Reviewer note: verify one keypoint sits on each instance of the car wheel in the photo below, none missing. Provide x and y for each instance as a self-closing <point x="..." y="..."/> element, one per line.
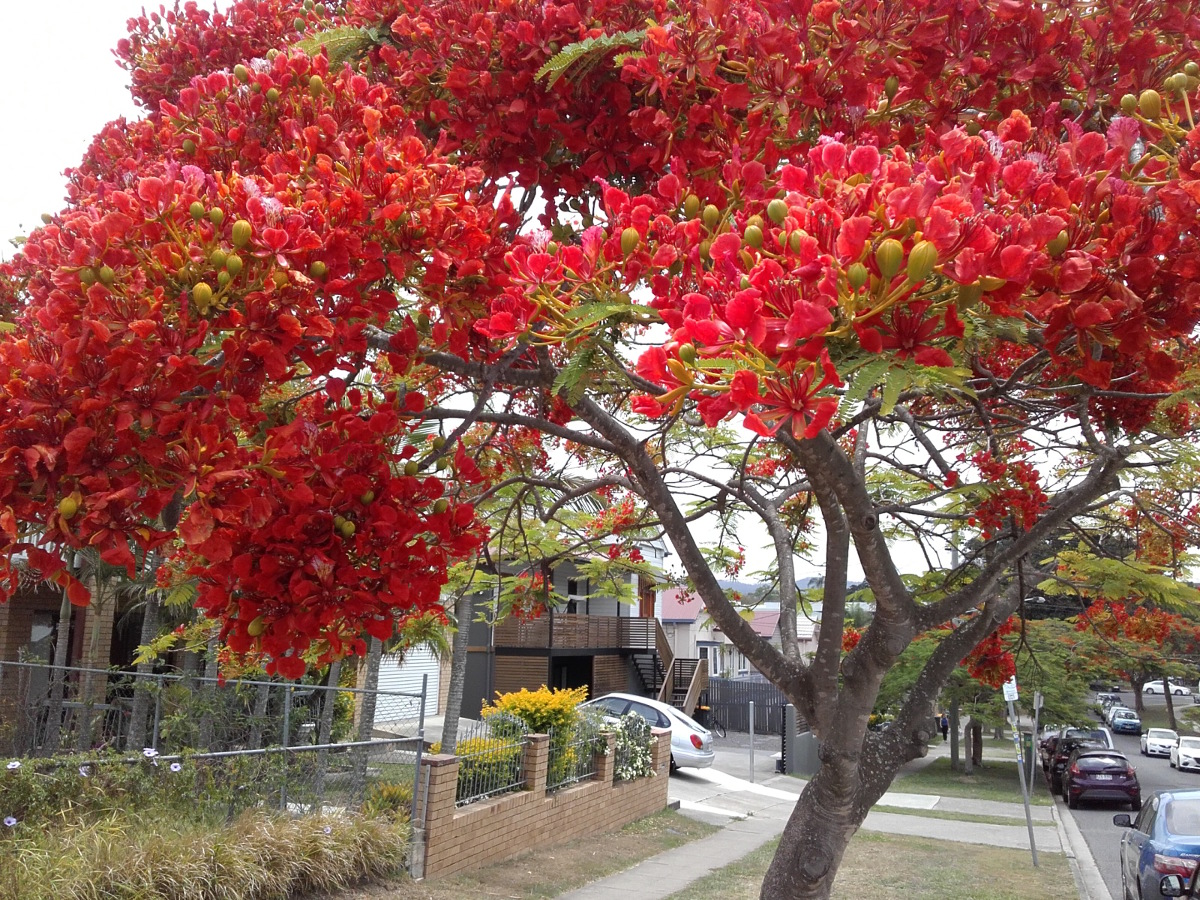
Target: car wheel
<point x="1072" y="800"/>
<point x="1172" y="764"/>
<point x="1055" y="785"/>
<point x="1178" y="693"/>
<point x="674" y="767"/>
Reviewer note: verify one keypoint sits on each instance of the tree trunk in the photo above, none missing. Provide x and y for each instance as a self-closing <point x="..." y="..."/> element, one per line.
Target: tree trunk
<point x="1138" y="705"/>
<point x="211" y="694"/>
<point x="968" y="751"/>
<point x="464" y="611"/>
<point x="58" y="675"/>
<point x="955" y="765"/>
<point x="976" y="742"/>
<point x="1170" y="703"/>
<point x="369" y="682"/>
<point x="143" y="684"/>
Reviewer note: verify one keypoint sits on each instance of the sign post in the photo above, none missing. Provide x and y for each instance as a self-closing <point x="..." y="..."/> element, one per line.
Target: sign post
<point x="1010" y="695"/>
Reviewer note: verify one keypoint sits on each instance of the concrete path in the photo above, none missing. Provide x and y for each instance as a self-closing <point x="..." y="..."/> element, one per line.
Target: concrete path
<point x="753" y="814"/>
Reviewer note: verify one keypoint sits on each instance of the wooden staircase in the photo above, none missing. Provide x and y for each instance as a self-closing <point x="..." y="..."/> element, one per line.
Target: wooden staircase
<point x="676" y="682"/>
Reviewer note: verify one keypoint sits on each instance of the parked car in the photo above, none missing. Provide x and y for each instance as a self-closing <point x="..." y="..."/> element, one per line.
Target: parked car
<point x="1101" y="685"/>
<point x="1126" y="721"/>
<point x="1062" y="752"/>
<point x="1186" y="754"/>
<point x="1164" y="839"/>
<point x="1177" y="886"/>
<point x="691" y="745"/>
<point x="1113" y="711"/>
<point x="1158" y="742"/>
<point x="1092" y="774"/>
<point x="1107" y="700"/>
<point x="1156" y="687"/>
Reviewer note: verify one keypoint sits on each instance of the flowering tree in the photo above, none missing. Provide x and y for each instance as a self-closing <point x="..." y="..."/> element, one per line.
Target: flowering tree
<point x="921" y="271"/>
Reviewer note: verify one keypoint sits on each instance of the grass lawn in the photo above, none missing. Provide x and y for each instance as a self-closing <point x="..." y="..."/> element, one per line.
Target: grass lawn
<point x="943" y="814"/>
<point x="992" y="781"/>
<point x="550" y="872"/>
<point x="892" y="867"/>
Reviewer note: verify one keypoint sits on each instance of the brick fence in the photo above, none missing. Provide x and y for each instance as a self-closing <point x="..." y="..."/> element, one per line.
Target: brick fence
<point x="492" y="830"/>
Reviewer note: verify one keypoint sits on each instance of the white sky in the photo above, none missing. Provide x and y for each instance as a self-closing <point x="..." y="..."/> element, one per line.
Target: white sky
<point x="60" y="83"/>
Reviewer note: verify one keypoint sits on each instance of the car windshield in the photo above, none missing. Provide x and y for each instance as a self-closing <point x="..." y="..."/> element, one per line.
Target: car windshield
<point x="1189" y="744"/>
<point x="1161" y="734"/>
<point x="1183" y="817"/>
<point x="1124" y="714"/>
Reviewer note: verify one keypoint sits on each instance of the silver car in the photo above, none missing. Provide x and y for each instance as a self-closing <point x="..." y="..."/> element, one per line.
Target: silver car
<point x="1158" y="742"/>
<point x="691" y="745"/>
<point x="1186" y="754"/>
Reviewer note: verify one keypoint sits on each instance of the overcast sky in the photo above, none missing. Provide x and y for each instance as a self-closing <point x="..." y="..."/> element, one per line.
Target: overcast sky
<point x="61" y="83"/>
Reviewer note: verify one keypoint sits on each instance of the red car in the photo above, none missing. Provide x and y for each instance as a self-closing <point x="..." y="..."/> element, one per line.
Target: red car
<point x="1097" y="774"/>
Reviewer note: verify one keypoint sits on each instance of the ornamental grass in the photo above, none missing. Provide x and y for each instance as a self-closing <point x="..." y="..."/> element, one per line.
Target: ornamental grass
<point x="147" y="855"/>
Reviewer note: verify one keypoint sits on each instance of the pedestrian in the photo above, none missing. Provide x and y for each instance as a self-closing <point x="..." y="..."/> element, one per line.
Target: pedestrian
<point x="944" y="724"/>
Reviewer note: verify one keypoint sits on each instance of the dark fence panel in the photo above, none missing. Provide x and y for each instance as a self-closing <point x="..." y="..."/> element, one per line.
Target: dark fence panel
<point x="730" y="702"/>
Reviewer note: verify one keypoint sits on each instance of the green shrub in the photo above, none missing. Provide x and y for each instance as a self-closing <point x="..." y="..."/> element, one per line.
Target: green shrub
<point x="389" y="800"/>
<point x="632" y="743"/>
<point x="486" y="765"/>
<point x="545" y="710"/>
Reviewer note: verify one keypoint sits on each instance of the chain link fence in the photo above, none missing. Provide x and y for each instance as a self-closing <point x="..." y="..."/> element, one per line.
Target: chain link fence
<point x="46" y="710"/>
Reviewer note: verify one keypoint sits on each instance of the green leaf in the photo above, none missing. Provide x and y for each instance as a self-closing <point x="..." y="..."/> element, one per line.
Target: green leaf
<point x="893" y="386"/>
<point x="341" y="44"/>
<point x="573" y="378"/>
<point x="860" y="383"/>
<point x="586" y="54"/>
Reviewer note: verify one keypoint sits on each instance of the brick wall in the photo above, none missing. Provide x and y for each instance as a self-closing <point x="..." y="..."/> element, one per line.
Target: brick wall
<point x="496" y="829"/>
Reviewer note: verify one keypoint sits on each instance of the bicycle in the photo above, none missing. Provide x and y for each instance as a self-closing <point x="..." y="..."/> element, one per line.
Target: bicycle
<point x="708" y="719"/>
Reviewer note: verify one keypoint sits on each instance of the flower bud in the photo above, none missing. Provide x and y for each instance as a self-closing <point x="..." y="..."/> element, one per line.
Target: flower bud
<point x="921" y="260"/>
<point x="857" y="275"/>
<point x="888" y="256"/>
<point x="241" y="233"/>
<point x="711" y="216"/>
<point x="691" y="206"/>
<point x="777" y="211"/>
<point x="630" y="240"/>
<point x="1150" y="104"/>
<point x="753" y="236"/>
<point x="1058" y="244"/>
<point x="890" y="87"/>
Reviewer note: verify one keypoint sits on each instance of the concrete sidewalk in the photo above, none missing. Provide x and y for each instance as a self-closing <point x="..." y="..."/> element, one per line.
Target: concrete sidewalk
<point x="756" y="813"/>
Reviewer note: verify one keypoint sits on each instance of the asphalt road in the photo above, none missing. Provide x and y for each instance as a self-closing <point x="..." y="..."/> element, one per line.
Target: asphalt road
<point x="1095" y="819"/>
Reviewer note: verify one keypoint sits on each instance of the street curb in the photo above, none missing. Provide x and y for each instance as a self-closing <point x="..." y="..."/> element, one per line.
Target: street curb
<point x="1088" y="879"/>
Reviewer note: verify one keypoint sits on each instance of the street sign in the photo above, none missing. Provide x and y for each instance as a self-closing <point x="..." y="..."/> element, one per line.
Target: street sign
<point x="1010" y="689"/>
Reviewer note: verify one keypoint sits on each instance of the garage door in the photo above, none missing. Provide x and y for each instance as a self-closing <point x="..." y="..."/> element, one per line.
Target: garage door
<point x="405" y="676"/>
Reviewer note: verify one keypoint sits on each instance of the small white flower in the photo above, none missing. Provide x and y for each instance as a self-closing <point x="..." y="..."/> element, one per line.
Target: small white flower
<point x="149" y="753"/>
<point x="85" y="771"/>
<point x="14" y="765"/>
<point x="10" y="821"/>
<point x="176" y="767"/>
<point x="328" y="830"/>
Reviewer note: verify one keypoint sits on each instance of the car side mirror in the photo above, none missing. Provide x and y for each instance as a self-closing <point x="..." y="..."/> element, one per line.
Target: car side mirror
<point x="1171" y="886"/>
<point x="1123" y="820"/>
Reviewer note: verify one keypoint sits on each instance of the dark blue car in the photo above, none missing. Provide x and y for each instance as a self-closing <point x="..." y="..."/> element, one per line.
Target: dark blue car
<point x="1163" y="840"/>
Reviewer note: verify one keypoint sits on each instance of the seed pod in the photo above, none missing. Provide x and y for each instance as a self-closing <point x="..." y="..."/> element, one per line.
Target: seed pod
<point x="1150" y="104"/>
<point x="1058" y="244"/>
<point x="630" y="240"/>
<point x="753" y="236"/>
<point x="317" y="269"/>
<point x="216" y="215"/>
<point x="67" y="507"/>
<point x="691" y="206"/>
<point x="890" y="87"/>
<point x="921" y="260"/>
<point x="256" y="626"/>
<point x="196" y="210"/>
<point x="1128" y="104"/>
<point x="889" y="255"/>
<point x="777" y="211"/>
<point x="241" y="73"/>
<point x="233" y="265"/>
<point x="711" y="216"/>
<point x="687" y="353"/>
<point x="857" y="275"/>
<point x="241" y="233"/>
<point x="202" y="295"/>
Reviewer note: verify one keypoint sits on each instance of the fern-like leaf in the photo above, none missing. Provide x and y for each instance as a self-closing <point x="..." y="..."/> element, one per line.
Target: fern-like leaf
<point x="341" y="44"/>
<point x="586" y="54"/>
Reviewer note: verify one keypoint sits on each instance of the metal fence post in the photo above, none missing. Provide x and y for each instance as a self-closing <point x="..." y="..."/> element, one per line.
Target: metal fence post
<point x="412" y="817"/>
<point x="287" y="727"/>
<point x="158" y="695"/>
<point x="752" y="742"/>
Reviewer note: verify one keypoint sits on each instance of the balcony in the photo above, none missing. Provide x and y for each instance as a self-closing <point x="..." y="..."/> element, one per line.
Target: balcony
<point x="570" y="631"/>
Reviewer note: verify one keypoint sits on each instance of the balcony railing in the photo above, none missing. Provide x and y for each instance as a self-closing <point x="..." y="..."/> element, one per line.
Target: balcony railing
<point x="568" y="631"/>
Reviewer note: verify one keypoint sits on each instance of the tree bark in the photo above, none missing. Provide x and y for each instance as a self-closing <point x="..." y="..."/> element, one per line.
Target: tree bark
<point x="976" y="742"/>
<point x="143" y="685"/>
<point x="1170" y="702"/>
<point x="955" y="763"/>
<point x="464" y="612"/>
<point x="58" y="675"/>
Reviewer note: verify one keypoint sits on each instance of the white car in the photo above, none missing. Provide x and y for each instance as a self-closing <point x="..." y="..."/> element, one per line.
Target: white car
<point x="1156" y="687"/>
<point x="1158" y="742"/>
<point x="1186" y="754"/>
<point x="691" y="745"/>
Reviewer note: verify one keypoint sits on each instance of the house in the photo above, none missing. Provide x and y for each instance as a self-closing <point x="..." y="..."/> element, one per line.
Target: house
<point x="592" y="639"/>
